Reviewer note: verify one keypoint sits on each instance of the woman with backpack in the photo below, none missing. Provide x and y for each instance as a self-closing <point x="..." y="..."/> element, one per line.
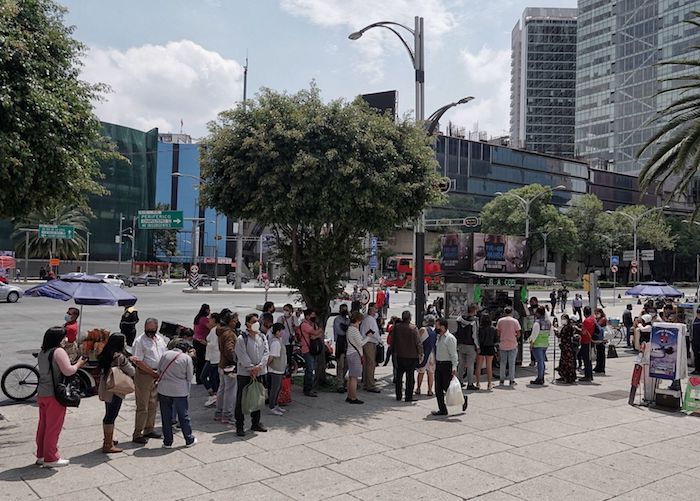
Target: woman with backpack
<point x="53" y="363"/>
<point x="112" y="356"/>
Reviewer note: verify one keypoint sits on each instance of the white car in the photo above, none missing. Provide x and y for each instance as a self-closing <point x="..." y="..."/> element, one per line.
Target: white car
<point x="111" y="279"/>
<point x="10" y="293"/>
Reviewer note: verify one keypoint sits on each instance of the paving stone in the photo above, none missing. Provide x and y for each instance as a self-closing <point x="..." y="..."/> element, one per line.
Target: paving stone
<point x="254" y="491"/>
<point x="547" y="488"/>
<point x="312" y="485"/>
<point x="591" y="443"/>
<point x="426" y="456"/>
<point x="440" y="429"/>
<point x="682" y="486"/>
<point x="404" y="488"/>
<point x="552" y="454"/>
<point x="73" y="478"/>
<point x="159" y="461"/>
<point x="163" y="486"/>
<point x="549" y="428"/>
<point x="15" y="490"/>
<point x="606" y="480"/>
<point x="375" y="469"/>
<point x="223" y="446"/>
<point x="84" y="495"/>
<point x="344" y="448"/>
<point x="510" y="466"/>
<point x="473" y="445"/>
<point x="514" y="436"/>
<point x="462" y="480"/>
<point x="291" y="459"/>
<point x="229" y="473"/>
<point x="496" y="496"/>
<point x="397" y="437"/>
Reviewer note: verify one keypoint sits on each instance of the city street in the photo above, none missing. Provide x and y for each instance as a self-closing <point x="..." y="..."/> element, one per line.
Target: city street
<point x="553" y="442"/>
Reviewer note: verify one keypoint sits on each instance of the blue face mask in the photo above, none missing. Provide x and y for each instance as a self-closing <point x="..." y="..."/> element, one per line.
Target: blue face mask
<point x="67" y="318"/>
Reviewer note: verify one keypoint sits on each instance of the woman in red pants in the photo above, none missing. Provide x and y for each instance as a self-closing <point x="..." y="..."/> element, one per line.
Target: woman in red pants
<point x="51" y="413"/>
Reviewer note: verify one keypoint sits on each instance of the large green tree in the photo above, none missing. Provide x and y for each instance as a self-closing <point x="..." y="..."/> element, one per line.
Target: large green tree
<point x="584" y="213"/>
<point x="505" y="215"/>
<point x="165" y="241"/>
<point x="675" y="148"/>
<point x="322" y="176"/>
<point x="49" y="137"/>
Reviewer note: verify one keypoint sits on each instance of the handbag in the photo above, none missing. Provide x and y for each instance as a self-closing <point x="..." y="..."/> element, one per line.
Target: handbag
<point x="67" y="389"/>
<point x="380" y="354"/>
<point x="316" y="346"/>
<point x="119" y="383"/>
<point x="612" y="352"/>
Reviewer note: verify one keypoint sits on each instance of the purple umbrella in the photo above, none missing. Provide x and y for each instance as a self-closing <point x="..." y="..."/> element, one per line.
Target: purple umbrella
<point x="83" y="289"/>
<point x="654" y="289"/>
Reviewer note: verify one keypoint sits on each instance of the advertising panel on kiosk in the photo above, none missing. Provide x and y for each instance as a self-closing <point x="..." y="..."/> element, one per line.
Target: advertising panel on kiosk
<point x="499" y="253"/>
<point x="456" y="252"/>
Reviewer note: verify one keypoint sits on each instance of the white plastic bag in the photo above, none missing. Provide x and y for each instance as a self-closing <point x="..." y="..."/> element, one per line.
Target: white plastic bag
<point x="454" y="396"/>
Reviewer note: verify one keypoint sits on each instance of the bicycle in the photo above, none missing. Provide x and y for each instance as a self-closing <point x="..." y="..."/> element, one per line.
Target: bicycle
<point x="21" y="381"/>
<point x="616" y="335"/>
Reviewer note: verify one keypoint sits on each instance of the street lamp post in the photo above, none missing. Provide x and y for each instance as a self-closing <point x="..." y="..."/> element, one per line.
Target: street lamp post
<point x="635" y="223"/>
<point x="527" y="203"/>
<point x="434" y="119"/>
<point x="417" y="55"/>
<point x="545" y="235"/>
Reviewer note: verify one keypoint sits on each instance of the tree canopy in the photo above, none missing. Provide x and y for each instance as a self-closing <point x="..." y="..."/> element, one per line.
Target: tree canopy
<point x="322" y="176"/>
<point x="49" y="137"/>
<point x="44" y="248"/>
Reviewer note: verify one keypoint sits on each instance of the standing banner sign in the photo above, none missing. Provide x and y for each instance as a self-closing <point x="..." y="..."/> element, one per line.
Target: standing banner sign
<point x="667" y="357"/>
<point x="691" y="401"/>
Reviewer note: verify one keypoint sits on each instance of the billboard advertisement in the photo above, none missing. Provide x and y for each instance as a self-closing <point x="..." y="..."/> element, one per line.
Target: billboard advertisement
<point x="456" y="252"/>
<point x="499" y="253"/>
<point x="663" y="355"/>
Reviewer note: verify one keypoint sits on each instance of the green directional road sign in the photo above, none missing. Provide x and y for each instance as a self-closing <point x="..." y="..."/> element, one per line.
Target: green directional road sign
<point x="56" y="231"/>
<point x="160" y="219"/>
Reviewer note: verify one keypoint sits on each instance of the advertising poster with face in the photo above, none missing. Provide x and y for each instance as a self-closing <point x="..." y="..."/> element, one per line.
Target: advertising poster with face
<point x="499" y="253"/>
<point x="456" y="252"/>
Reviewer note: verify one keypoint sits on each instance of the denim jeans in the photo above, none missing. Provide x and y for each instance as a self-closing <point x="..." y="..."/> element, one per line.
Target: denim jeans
<point x="309" y="370"/>
<point x="226" y="396"/>
<point x="508" y="356"/>
<point x="539" y="354"/>
<point x="181" y="407"/>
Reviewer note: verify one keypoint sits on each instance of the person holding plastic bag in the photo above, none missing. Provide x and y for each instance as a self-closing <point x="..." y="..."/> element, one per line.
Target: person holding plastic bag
<point x="252" y="353"/>
<point x="446" y="365"/>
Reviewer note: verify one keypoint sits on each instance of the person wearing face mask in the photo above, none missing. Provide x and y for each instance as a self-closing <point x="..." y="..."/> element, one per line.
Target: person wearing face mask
<point x="288" y="330"/>
<point x="147" y="351"/>
<point x="370" y="332"/>
<point x="227" y="334"/>
<point x="70" y="345"/>
<point x="341" y="323"/>
<point x="252" y="353"/>
<point x="445" y="365"/>
<point x="539" y="341"/>
<point x="309" y="330"/>
<point x="567" y="343"/>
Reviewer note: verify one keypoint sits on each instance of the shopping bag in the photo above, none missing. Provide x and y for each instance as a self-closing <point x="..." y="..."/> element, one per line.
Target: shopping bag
<point x="612" y="352"/>
<point x="253" y="397"/>
<point x="285" y="396"/>
<point x="691" y="402"/>
<point x="454" y="396"/>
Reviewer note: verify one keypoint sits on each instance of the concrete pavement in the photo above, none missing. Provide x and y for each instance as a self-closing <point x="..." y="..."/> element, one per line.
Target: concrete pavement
<point x="549" y="443"/>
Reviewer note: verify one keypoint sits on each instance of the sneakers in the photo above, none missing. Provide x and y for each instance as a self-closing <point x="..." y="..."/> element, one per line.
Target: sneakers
<point x="211" y="401"/>
<point x="56" y="464"/>
<point x="471" y="387"/>
<point x="193" y="443"/>
<point x="39" y="462"/>
<point x="489" y="386"/>
<point x="259" y="428"/>
<point x="355" y="401"/>
<point x="537" y="382"/>
<point x="281" y="409"/>
<point x="167" y="446"/>
<point x="276" y="412"/>
<point x="513" y="383"/>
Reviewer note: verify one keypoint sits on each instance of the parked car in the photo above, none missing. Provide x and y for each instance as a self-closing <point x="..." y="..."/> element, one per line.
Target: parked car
<point x="111" y="279"/>
<point x="146" y="279"/>
<point x="231" y="278"/>
<point x="127" y="280"/>
<point x="204" y="279"/>
<point x="10" y="293"/>
<point x="3" y="279"/>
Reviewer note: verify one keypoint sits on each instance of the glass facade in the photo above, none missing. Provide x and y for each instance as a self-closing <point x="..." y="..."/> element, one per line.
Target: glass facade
<point x="182" y="193"/>
<point x="618" y="78"/>
<point x="543" y="81"/>
<point x="479" y="170"/>
<point x="132" y="187"/>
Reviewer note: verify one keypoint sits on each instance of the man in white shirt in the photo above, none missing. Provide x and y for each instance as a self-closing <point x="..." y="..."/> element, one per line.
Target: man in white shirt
<point x="370" y="332"/>
<point x="147" y="351"/>
<point x="288" y="331"/>
<point x="445" y="365"/>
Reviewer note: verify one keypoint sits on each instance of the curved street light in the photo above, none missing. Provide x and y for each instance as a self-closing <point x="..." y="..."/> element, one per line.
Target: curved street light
<point x="527" y="203"/>
<point x="434" y="119"/>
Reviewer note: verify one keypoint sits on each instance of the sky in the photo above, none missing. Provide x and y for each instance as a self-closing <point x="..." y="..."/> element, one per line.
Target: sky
<point x="167" y="61"/>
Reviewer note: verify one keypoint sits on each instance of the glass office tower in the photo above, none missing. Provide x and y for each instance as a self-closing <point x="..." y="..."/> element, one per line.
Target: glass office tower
<point x="618" y="78"/>
<point x="543" y="81"/>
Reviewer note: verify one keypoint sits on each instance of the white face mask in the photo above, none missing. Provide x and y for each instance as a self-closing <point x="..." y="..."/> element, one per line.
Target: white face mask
<point x="564" y="322"/>
<point x="255" y="327"/>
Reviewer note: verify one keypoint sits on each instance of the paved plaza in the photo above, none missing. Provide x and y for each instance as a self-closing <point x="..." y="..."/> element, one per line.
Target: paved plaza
<point x="542" y="443"/>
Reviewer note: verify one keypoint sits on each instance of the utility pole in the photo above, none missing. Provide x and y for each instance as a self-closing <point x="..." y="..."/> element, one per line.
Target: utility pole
<point x="239" y="235"/>
<point x="121" y="231"/>
<point x="133" y="243"/>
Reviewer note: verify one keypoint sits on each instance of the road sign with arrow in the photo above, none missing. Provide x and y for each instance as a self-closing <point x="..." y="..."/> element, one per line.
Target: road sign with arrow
<point x="160" y="219"/>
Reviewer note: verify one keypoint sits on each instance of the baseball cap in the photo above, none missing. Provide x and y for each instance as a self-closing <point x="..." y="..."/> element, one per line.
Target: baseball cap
<point x="647" y="318"/>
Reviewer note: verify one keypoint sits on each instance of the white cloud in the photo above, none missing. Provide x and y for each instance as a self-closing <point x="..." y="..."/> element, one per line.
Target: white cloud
<point x="487" y="77"/>
<point x="157" y="85"/>
<point x="355" y="14"/>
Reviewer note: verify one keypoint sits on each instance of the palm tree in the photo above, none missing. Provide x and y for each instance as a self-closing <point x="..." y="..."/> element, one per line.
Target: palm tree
<point x="676" y="146"/>
<point x="57" y="248"/>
